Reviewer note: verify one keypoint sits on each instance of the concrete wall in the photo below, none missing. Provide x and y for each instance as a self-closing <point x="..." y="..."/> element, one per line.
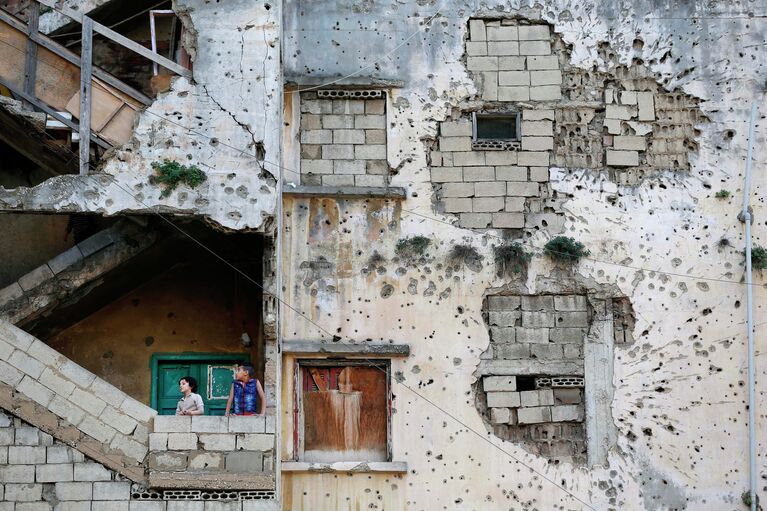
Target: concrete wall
<point x="191" y="308"/>
<point x="653" y="229"/>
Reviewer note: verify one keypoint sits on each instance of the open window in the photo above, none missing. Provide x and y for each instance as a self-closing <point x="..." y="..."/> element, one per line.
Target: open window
<point x="495" y="130"/>
<point x="342" y="411"/>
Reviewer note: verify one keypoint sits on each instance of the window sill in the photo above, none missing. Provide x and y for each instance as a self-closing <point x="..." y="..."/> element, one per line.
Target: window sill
<point x="356" y="467"/>
<point x="347" y="192"/>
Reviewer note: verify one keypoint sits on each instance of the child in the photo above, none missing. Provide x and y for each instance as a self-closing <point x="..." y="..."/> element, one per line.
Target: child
<point x="191" y="403"/>
<point x="246" y="393"/>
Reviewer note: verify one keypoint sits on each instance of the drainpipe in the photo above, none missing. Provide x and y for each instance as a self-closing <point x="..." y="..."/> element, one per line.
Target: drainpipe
<point x="745" y="217"/>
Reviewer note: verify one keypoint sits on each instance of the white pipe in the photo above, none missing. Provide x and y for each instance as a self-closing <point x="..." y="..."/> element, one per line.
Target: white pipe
<point x="746" y="217"/>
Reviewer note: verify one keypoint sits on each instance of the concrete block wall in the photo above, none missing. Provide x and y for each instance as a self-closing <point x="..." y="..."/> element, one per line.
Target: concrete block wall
<point x="40" y="473"/>
<point x="343" y="140"/>
<point x="117" y="423"/>
<point x="209" y="447"/>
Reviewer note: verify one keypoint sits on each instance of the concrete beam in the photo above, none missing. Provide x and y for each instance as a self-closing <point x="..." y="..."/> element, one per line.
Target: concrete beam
<point x="345" y="349"/>
<point x="220" y="481"/>
<point x="346" y="466"/>
<point x="345" y="192"/>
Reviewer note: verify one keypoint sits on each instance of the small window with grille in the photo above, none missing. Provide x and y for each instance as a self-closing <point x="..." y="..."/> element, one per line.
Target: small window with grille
<point x="495" y="130"/>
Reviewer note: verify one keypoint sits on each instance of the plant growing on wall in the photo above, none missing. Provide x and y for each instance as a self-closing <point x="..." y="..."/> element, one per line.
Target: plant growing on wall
<point x="467" y="255"/>
<point x="170" y="174"/>
<point x="565" y="249"/>
<point x="511" y="258"/>
<point x="758" y="258"/>
<point x="412" y="247"/>
<point x="722" y="194"/>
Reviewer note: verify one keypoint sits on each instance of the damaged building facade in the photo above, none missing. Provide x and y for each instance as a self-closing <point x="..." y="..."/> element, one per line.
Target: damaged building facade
<point x="480" y="255"/>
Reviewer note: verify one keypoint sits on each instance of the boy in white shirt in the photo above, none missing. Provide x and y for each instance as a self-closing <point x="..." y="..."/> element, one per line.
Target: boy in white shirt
<point x="191" y="403"/>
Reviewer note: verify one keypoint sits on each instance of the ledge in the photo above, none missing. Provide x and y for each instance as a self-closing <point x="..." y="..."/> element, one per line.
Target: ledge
<point x="347" y="192"/>
<point x="355" y="467"/>
<point x="219" y="481"/>
<point x="328" y="348"/>
<point x="352" y="82"/>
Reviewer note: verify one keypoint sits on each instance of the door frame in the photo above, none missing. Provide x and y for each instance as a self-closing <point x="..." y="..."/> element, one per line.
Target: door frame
<point x="154" y="365"/>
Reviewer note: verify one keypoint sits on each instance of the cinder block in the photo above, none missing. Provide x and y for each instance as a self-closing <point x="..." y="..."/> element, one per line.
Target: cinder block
<point x="489" y="188"/>
<point x="545" y="396"/>
<point x="370" y="152"/>
<point x="543" y="128"/>
<point x="377" y="167"/>
<point x="502" y="158"/>
<point x="97" y="429"/>
<point x="316" y="167"/>
<point x="87" y="401"/>
<point x="548" y="77"/>
<point x="534" y="415"/>
<point x="9" y="374"/>
<point x="6" y="437"/>
<point x="54" y="473"/>
<point x="247" y="424"/>
<point x="338" y="152"/>
<point x="613" y="126"/>
<point x="533" y="159"/>
<point x="171" y="461"/>
<point x="209" y="424"/>
<point x="522" y="189"/>
<point x="508" y="303"/>
<point x="11" y="292"/>
<point x="502" y="48"/>
<point x="630" y="143"/>
<point x="182" y="441"/>
<point x="158" y="441"/>
<point x="504" y="317"/>
<point x="26" y="364"/>
<point x="487" y="204"/>
<point x="537" y="115"/>
<point x="98" y="241"/>
<point x="620" y="112"/>
<point x="5" y="350"/>
<point x="537" y="319"/>
<point x="457" y="205"/>
<point x="255" y="442"/>
<point x="62" y="454"/>
<point x="172" y="424"/>
<point x="477" y="30"/>
<point x="64" y="260"/>
<point x="27" y="435"/>
<point x="499" y="383"/>
<point x="455" y="129"/>
<point x="545" y="93"/>
<point x="316" y="137"/>
<point x="455" y="144"/>
<point x="478" y="174"/>
<point x="17" y="474"/>
<point x="475" y="220"/>
<point x="311" y="122"/>
<point x="572" y="319"/>
<point x="89" y="471"/>
<point x="511" y="173"/>
<point x="534" y="48"/>
<point x="106" y="505"/>
<point x="208" y="461"/>
<point x="338" y="180"/>
<point x="567" y="413"/>
<point x="446" y="174"/>
<point x="508" y="33"/>
<point x="511" y="63"/>
<point x="113" y="490"/>
<point x="118" y="420"/>
<point x="622" y="158"/>
<point x="335" y="122"/>
<point x="543" y="63"/>
<point x="532" y="335"/>
<point x="457" y="190"/>
<point x="74" y="491"/>
<point x="646" y="103"/>
<point x="573" y="351"/>
<point x="537" y="143"/>
<point x="513" y="93"/>
<point x="79" y="375"/>
<point x="36" y="277"/>
<point x="34" y="391"/>
<point x="247" y="462"/>
<point x="547" y="351"/>
<point x="66" y="410"/>
<point x="368" y="180"/>
<point x="469" y="159"/>
<point x="347" y="137"/>
<point x="26" y="455"/>
<point x="107" y="392"/>
<point x="56" y="383"/>
<point x="534" y="33"/>
<point x="567" y="335"/>
<point x="628" y="97"/>
<point x="373" y="106"/>
<point x="529" y="398"/>
<point x="349" y="166"/>
<point x="539" y="174"/>
<point x="512" y="351"/>
<point x="370" y="122"/>
<point x="503" y="399"/>
<point x="500" y="415"/>
<point x="570" y="303"/>
<point x="23" y="492"/>
<point x="537" y="302"/>
<point x="567" y="396"/>
<point x="506" y="220"/>
<point x="375" y="136"/>
<point x="514" y="78"/>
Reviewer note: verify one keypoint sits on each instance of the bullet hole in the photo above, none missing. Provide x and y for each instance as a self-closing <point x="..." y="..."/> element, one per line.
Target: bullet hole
<point x="706" y="311"/>
<point x="647" y="431"/>
<point x="149" y="341"/>
<point x="387" y="290"/>
<point x="108" y="354"/>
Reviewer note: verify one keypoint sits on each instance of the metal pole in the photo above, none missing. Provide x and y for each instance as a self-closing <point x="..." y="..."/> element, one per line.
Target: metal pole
<point x="86" y="58"/>
<point x="746" y="218"/>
